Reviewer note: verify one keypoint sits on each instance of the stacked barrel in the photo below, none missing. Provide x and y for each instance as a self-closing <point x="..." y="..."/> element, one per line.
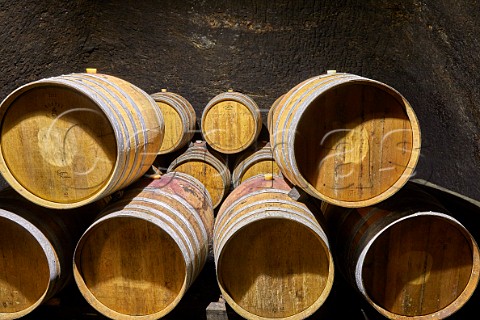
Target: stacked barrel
<point x="271" y="252"/>
<point x="407" y="256"/>
<point x="326" y="190"/>
<point x="144" y="251"/>
<point x="70" y="140"/>
<point x="353" y="143"/>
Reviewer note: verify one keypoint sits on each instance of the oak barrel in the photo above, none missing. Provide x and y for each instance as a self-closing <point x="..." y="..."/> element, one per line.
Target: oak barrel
<point x="271" y="111"/>
<point x="231" y="122"/>
<point x="206" y="166"/>
<point x="345" y="139"/>
<point x="180" y="120"/>
<point x="251" y="164"/>
<point x="139" y="257"/>
<point x="36" y="251"/>
<point x="408" y="256"/>
<point x="272" y="255"/>
<point x="70" y="140"/>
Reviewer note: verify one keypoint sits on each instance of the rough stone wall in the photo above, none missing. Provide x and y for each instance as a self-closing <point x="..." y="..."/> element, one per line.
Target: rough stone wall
<point x="427" y="50"/>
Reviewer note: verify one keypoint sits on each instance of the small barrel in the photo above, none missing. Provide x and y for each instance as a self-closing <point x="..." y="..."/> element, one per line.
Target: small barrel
<point x="231" y="122"/>
<point x="407" y="256"/>
<point x="251" y="164"/>
<point x="345" y="139"/>
<point x="271" y="111"/>
<point x="70" y="140"/>
<point x="139" y="257"/>
<point x="272" y="256"/>
<point x="180" y="120"/>
<point x="207" y="167"/>
<point x="36" y="251"/>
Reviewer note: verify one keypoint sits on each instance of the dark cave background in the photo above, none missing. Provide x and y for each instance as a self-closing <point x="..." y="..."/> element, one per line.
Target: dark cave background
<point x="427" y="50"/>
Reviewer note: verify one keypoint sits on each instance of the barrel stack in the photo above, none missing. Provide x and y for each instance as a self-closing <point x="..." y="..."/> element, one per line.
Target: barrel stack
<point x="329" y="190"/>
<point x="353" y="143"/>
<point x="68" y="143"/>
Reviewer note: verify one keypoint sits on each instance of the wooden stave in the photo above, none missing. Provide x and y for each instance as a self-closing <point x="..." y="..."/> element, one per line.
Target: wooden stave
<point x="287" y="114"/>
<point x="164" y="197"/>
<point x="277" y="143"/>
<point x="186" y="113"/>
<point x="134" y="167"/>
<point x="271" y="111"/>
<point x="275" y="192"/>
<point x="108" y="87"/>
<point x="247" y="102"/>
<point x="353" y="234"/>
<point x="148" y="152"/>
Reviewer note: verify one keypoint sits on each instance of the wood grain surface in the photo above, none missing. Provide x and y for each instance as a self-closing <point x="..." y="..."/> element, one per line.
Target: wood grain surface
<point x="207" y="167"/>
<point x="70" y="140"/>
<point x="408" y="256"/>
<point x="345" y="139"/>
<point x="251" y="164"/>
<point x="24" y="270"/>
<point x="180" y="120"/>
<point x="145" y="250"/>
<point x="271" y="111"/>
<point x="272" y="256"/>
<point x="231" y="122"/>
<point x="36" y="250"/>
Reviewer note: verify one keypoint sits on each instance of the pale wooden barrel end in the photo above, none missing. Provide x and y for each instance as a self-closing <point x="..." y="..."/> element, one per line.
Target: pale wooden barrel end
<point x="206" y="167"/>
<point x="260" y="162"/>
<point x="407" y="256"/>
<point x="24" y="270"/>
<point x="128" y="266"/>
<point x="144" y="251"/>
<point x="345" y="139"/>
<point x="180" y="120"/>
<point x="231" y="122"/>
<point x="83" y="136"/>
<point x="286" y="271"/>
<point x="429" y="255"/>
